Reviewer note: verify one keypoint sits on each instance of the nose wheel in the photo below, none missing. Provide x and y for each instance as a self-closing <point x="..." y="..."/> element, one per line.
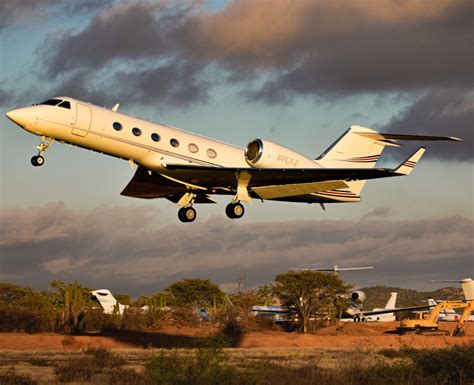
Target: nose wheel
<point x="235" y="210"/>
<point x="37" y="160"/>
<point x="186" y="214"/>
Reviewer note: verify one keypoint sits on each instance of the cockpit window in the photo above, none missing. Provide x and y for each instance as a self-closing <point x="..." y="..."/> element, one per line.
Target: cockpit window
<point x="52" y="102"/>
<point x="65" y="104"/>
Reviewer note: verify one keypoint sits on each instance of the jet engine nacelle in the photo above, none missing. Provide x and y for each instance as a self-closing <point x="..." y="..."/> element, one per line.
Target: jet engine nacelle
<point x="264" y="154"/>
<point x="358" y="296"/>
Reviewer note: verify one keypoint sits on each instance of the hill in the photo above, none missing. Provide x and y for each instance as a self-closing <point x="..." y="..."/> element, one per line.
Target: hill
<point x="378" y="296"/>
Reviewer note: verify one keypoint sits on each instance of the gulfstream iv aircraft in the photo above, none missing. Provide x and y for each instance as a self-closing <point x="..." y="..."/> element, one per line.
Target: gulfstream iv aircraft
<point x="187" y="168"/>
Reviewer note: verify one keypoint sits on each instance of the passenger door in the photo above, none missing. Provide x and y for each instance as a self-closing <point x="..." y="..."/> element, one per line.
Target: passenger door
<point x="83" y="120"/>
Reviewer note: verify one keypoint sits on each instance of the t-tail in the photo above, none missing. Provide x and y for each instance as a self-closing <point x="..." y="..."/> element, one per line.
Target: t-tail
<point x="361" y="147"/>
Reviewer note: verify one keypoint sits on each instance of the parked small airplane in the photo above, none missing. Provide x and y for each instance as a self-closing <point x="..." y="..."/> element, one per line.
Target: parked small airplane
<point x="356" y="313"/>
<point x="108" y="302"/>
<point x="467" y="285"/>
<point x="186" y="168"/>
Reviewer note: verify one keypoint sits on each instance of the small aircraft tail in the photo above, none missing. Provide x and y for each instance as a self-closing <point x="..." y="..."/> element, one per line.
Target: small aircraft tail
<point x="353" y="150"/>
<point x="392" y="301"/>
<point x="361" y="147"/>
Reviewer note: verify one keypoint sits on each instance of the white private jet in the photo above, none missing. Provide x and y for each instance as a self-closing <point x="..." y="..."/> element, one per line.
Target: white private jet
<point x="187" y="168"/>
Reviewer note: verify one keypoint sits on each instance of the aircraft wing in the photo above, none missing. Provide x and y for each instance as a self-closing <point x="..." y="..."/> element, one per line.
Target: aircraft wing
<point x="397" y="310"/>
<point x="270" y="183"/>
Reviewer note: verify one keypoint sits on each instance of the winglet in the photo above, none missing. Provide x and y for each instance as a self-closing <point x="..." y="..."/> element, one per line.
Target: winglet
<point x="407" y="166"/>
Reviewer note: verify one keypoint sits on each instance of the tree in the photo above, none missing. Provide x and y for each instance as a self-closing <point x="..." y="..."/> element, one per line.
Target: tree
<point x="310" y="294"/>
<point x="195" y="292"/>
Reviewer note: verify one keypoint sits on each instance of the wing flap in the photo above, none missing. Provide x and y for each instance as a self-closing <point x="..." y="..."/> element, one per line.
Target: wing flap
<point x="288" y="190"/>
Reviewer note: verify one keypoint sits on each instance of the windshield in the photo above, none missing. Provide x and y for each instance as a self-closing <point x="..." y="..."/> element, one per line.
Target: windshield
<point x="57" y="102"/>
<point x="52" y="102"/>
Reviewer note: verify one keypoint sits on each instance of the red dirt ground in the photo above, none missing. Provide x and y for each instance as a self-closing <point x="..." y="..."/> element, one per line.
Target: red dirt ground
<point x="349" y="336"/>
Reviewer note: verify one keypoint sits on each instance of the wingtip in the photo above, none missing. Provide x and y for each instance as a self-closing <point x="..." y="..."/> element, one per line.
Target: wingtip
<point x="454" y="139"/>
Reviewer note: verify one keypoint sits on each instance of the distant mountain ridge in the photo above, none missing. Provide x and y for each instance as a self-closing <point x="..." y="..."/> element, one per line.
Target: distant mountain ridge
<point x="377" y="296"/>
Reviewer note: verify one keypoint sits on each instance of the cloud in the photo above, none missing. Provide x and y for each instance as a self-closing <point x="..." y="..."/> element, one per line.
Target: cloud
<point x="304" y="48"/>
<point x="379" y="212"/>
<point x="15" y="12"/>
<point x="444" y="112"/>
<point x="127" y="249"/>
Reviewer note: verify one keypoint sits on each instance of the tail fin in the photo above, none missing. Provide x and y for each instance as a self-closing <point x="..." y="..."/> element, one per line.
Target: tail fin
<point x="353" y="150"/>
<point x="392" y="301"/>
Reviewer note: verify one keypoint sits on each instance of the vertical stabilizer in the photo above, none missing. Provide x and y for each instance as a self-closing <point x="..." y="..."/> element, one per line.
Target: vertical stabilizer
<point x="467" y="285"/>
<point x="352" y="150"/>
<point x="392" y="301"/>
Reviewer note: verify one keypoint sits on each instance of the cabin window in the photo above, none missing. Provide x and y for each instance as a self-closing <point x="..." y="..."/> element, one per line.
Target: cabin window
<point x="136" y="131"/>
<point x="155" y="137"/>
<point x="117" y="126"/>
<point x="65" y="104"/>
<point x="174" y="142"/>
<point x="211" y="153"/>
<point x="193" y="148"/>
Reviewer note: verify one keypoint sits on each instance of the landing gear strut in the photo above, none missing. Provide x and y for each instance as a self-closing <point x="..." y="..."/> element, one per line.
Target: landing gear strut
<point x="38" y="160"/>
<point x="187" y="214"/>
<point x="235" y="210"/>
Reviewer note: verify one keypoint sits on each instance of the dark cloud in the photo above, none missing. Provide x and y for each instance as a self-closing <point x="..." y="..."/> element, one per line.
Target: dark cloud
<point x="14" y="12"/>
<point x="444" y="112"/>
<point x="127" y="249"/>
<point x="177" y="84"/>
<point x="127" y="31"/>
<point x="312" y="48"/>
<point x="17" y="11"/>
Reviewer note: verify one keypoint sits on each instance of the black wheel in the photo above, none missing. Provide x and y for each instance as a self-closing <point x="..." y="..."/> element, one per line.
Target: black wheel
<point x="186" y="214"/>
<point x="234" y="210"/>
<point x="34" y="161"/>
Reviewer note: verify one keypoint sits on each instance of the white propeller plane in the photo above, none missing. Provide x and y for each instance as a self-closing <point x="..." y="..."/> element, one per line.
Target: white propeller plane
<point x="187" y="168"/>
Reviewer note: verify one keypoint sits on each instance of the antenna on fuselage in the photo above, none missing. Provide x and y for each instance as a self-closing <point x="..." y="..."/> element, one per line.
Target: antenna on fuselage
<point x="115" y="108"/>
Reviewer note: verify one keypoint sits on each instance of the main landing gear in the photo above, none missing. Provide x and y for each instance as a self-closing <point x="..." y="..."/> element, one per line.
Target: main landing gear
<point x="235" y="210"/>
<point x="187" y="214"/>
<point x="38" y="160"/>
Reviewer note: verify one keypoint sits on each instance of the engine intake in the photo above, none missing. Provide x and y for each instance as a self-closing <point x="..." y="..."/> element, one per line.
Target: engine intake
<point x="358" y="296"/>
<point x="265" y="154"/>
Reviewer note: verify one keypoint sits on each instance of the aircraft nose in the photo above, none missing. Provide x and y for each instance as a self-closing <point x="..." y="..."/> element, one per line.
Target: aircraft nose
<point x="20" y="116"/>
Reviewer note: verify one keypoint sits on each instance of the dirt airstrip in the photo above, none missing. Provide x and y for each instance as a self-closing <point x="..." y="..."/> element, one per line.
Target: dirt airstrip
<point x="348" y="336"/>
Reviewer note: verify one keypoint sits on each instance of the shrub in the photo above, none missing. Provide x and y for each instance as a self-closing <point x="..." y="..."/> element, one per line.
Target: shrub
<point x="453" y="365"/>
<point x="206" y="366"/>
<point x="88" y="365"/>
<point x="11" y="377"/>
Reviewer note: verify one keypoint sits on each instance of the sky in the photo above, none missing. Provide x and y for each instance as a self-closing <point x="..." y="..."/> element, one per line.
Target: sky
<point x="294" y="72"/>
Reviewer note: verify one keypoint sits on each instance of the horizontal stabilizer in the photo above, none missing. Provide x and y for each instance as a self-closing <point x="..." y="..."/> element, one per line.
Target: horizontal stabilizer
<point x="407" y="166"/>
<point x="396" y="137"/>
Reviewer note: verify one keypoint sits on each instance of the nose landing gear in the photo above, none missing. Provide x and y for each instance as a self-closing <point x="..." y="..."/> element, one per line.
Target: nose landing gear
<point x="38" y="160"/>
<point x="235" y="210"/>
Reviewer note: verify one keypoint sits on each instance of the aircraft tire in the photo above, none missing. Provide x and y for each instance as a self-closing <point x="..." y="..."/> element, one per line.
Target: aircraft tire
<point x="37" y="160"/>
<point x="186" y="214"/>
<point x="235" y="210"/>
